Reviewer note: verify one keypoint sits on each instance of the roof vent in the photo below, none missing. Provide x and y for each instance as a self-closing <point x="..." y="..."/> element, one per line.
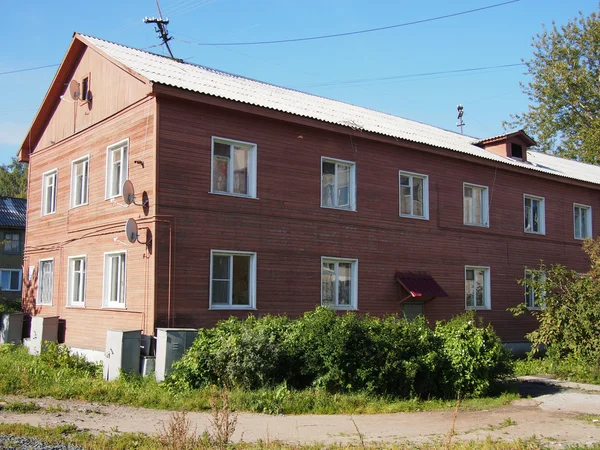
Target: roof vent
<point x="511" y="145"/>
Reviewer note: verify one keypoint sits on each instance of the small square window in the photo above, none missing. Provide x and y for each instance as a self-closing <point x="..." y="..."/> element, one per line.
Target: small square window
<point x="339" y="283"/>
<point x="338" y="184"/>
<point x="475" y="205"/>
<point x="233" y="280"/>
<point x="533" y="299"/>
<point x="10" y="279"/>
<point x="116" y="168"/>
<point x="414" y="195"/>
<point x="79" y="182"/>
<point x="233" y="167"/>
<point x="45" y="281"/>
<point x="76" y="281"/>
<point x="534" y="214"/>
<point x="516" y="151"/>
<point x="85" y="87"/>
<point x="477" y="288"/>
<point x="582" y="218"/>
<point x="114" y="280"/>
<point x="11" y="244"/>
<point x="49" y="192"/>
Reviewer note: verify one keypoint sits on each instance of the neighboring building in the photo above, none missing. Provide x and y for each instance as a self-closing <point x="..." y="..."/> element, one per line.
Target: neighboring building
<point x="252" y="198"/>
<point x="12" y="234"/>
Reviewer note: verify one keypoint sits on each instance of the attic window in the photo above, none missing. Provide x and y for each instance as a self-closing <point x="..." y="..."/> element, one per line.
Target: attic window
<point x="516" y="151"/>
<point x="85" y="86"/>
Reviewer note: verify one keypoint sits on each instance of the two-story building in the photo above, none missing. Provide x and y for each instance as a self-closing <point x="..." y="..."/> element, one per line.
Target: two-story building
<point x="12" y="234"/>
<point x="253" y="198"/>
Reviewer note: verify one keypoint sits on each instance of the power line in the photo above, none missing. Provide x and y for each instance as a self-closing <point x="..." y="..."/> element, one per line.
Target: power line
<point x="414" y="75"/>
<point x="349" y="33"/>
<point x="30" y="68"/>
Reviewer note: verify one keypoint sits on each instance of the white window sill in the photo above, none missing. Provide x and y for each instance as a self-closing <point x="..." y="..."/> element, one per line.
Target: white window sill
<point x="78" y="206"/>
<point x="539" y="233"/>
<point x="477" y="225"/>
<point x="582" y="238"/>
<point x="113" y="197"/>
<point x="406" y="216"/>
<point x="48" y="214"/>
<point x="534" y="308"/>
<point x="230" y="194"/>
<point x="479" y="308"/>
<point x="339" y="208"/>
<point x="114" y="307"/>
<point x="341" y="308"/>
<point x="232" y="308"/>
<point x="43" y="304"/>
<point x="75" y="306"/>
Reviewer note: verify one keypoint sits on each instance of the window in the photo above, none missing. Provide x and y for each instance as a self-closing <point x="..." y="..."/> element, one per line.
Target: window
<point x="233" y="280"/>
<point x="116" y="168"/>
<point x="582" y="216"/>
<point x="477" y="287"/>
<point x="533" y="300"/>
<point x="114" y="280"/>
<point x="10" y="279"/>
<point x="338" y="186"/>
<point x="49" y="192"/>
<point x="414" y="195"/>
<point x="76" y="281"/>
<point x="516" y="150"/>
<point x="45" y="281"/>
<point x="475" y="205"/>
<point x="11" y="244"/>
<point x="534" y="215"/>
<point x="79" y="182"/>
<point x="339" y="283"/>
<point x="233" y="167"/>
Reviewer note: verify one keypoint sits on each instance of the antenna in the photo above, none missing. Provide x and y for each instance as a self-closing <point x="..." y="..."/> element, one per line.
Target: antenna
<point x="460" y="124"/>
<point x="129" y="194"/>
<point x="131" y="230"/>
<point x="161" y="28"/>
<point x="74" y="89"/>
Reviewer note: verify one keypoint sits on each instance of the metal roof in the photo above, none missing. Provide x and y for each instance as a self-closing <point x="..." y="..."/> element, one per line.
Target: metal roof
<point x="13" y="212"/>
<point x="166" y="71"/>
<point x="420" y="285"/>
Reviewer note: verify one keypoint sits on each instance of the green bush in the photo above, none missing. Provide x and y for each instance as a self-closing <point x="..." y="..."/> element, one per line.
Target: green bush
<point x="346" y="353"/>
<point x="8" y="306"/>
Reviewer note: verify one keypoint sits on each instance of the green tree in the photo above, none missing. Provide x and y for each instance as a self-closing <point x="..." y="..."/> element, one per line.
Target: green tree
<point x="13" y="179"/>
<point x="564" y="90"/>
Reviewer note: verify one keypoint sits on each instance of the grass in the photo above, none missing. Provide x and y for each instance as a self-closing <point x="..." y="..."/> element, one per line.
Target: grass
<point x="124" y="441"/>
<point x="35" y="377"/>
<point x="21" y="407"/>
<point x="565" y="369"/>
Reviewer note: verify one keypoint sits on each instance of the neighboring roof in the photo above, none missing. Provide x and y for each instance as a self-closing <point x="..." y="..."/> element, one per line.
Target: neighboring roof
<point x="169" y="72"/>
<point x="420" y="285"/>
<point x="13" y="212"/>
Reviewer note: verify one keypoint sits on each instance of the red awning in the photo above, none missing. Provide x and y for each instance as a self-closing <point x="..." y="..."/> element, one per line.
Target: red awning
<point x="420" y="285"/>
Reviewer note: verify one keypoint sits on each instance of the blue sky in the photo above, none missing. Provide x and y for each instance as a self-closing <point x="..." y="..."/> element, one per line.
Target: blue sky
<point x="38" y="33"/>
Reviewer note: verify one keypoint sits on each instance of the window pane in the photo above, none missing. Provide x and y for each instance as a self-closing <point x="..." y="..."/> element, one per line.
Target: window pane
<point x="345" y="283"/>
<point x="477" y="206"/>
<point x="220" y="292"/>
<point x="528" y="214"/>
<point x="114" y="278"/>
<point x="343" y="180"/>
<point x="479" y="288"/>
<point x="220" y="267"/>
<point x="469" y="289"/>
<point x="240" y="170"/>
<point x="328" y="283"/>
<point x="468" y="206"/>
<point x="535" y="204"/>
<point x="405" y="200"/>
<point x="577" y="223"/>
<point x="116" y="173"/>
<point x="221" y="149"/>
<point x="328" y="183"/>
<point x="241" y="280"/>
<point x="5" y="280"/>
<point x="14" y="280"/>
<point x="75" y="287"/>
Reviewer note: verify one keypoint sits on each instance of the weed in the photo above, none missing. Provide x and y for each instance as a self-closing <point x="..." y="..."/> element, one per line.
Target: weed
<point x="452" y="432"/>
<point x="22" y="407"/>
<point x="177" y="433"/>
<point x="223" y="420"/>
<point x="56" y="409"/>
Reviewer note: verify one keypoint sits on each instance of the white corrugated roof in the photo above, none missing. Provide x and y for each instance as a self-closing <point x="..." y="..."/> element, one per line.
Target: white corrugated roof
<point x="163" y="70"/>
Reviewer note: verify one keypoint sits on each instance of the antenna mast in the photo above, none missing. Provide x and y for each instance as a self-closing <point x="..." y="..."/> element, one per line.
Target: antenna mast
<point x="460" y="124"/>
<point x="161" y="28"/>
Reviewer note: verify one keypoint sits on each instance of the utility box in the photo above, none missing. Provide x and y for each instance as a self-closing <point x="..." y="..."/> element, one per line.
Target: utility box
<point x="147" y="366"/>
<point x="42" y="329"/>
<point x="122" y="353"/>
<point x="171" y="344"/>
<point x="11" y="328"/>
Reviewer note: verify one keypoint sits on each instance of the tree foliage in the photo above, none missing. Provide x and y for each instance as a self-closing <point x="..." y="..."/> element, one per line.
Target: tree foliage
<point x="13" y="179"/>
<point x="564" y="90"/>
<point x="570" y="316"/>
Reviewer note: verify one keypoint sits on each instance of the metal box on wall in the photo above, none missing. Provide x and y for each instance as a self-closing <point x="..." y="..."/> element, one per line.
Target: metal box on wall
<point x="42" y="329"/>
<point x="11" y="328"/>
<point x="122" y="353"/>
<point x="171" y="344"/>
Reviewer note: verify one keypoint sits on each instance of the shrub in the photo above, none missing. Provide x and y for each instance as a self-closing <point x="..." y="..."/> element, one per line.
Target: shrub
<point x="8" y="306"/>
<point x="346" y="353"/>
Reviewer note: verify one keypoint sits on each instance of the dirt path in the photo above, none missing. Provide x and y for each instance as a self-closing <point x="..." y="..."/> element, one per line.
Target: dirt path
<point x="557" y="414"/>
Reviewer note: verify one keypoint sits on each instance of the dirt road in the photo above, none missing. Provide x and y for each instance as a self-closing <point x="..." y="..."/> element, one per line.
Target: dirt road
<point x="562" y="414"/>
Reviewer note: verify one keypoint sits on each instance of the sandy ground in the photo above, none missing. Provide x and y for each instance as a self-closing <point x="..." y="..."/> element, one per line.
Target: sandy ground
<point x="560" y="414"/>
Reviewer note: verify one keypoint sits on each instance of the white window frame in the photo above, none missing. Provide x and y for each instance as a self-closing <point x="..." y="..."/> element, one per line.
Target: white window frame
<point x="354" y="288"/>
<point x="529" y="291"/>
<point x="351" y="188"/>
<point x="485" y="212"/>
<point x="38" y="300"/>
<point x="85" y="160"/>
<point x="124" y="146"/>
<point x="106" y="280"/>
<point x="251" y="282"/>
<point x="51" y="174"/>
<point x="487" y="298"/>
<point x="20" y="282"/>
<point x="70" y="277"/>
<point x="425" y="205"/>
<point x="541" y="212"/>
<point x="252" y="167"/>
<point x="588" y="220"/>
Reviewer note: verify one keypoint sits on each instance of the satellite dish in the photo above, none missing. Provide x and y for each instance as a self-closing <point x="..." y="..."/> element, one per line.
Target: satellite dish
<point x="74" y="89"/>
<point x="131" y="230"/>
<point x="128" y="192"/>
